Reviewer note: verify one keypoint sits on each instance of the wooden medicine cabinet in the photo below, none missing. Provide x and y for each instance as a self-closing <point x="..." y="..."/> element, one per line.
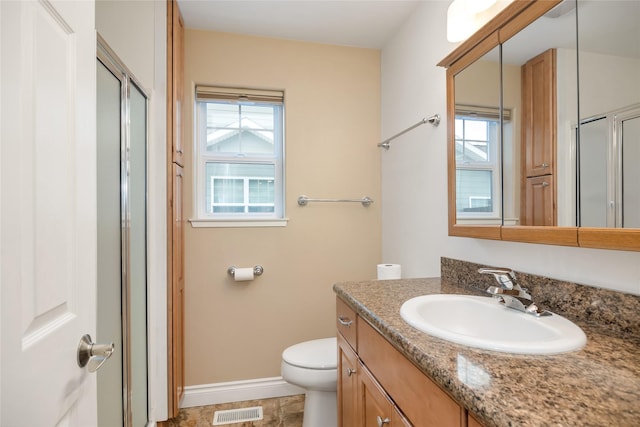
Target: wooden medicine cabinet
<point x="543" y="115"/>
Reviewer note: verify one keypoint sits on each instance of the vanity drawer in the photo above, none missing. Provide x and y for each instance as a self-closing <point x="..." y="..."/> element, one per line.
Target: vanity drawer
<point x="418" y="397"/>
<point x="346" y="322"/>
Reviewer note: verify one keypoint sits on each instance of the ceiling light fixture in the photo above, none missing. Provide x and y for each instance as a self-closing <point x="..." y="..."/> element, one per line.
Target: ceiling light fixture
<point x="463" y="19"/>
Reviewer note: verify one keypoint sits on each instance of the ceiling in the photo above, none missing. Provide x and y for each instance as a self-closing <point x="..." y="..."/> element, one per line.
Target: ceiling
<point x="359" y="23"/>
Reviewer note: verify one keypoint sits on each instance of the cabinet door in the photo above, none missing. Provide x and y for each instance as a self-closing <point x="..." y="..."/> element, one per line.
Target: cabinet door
<point x="472" y="422"/>
<point x="176" y="300"/>
<point x="423" y="402"/>
<point x="347" y="384"/>
<point x="176" y="71"/>
<point x="539" y="111"/>
<point x="377" y="410"/>
<point x="539" y="199"/>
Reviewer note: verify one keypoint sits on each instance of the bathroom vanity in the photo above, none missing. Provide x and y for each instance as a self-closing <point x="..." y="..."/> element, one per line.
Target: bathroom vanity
<point x="391" y="374"/>
<point x="373" y="375"/>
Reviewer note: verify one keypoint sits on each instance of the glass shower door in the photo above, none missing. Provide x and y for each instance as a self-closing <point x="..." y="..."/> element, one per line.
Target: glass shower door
<point x="122" y="243"/>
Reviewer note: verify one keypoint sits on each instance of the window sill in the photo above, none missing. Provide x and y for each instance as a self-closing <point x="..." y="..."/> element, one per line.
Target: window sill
<point x="241" y="223"/>
<point x="478" y="221"/>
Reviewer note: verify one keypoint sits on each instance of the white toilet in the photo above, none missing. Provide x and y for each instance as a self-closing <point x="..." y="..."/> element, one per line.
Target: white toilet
<point x="312" y="365"/>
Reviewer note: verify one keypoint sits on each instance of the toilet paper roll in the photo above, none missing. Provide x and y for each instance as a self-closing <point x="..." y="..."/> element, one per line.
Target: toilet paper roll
<point x="389" y="271"/>
<point x="243" y="274"/>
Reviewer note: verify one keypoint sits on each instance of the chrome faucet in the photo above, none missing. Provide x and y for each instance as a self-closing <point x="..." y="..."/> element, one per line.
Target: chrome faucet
<point x="510" y="293"/>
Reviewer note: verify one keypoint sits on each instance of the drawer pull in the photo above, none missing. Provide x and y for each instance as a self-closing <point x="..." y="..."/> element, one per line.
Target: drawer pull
<point x="542" y="166"/>
<point x="382" y="421"/>
<point x="344" y="321"/>
<point x="350" y="372"/>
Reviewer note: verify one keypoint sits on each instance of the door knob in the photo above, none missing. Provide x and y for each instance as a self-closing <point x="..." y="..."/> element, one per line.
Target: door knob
<point x="93" y="355"/>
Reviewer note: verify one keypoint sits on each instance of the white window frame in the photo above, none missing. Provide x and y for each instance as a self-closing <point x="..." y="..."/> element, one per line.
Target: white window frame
<point x="204" y="218"/>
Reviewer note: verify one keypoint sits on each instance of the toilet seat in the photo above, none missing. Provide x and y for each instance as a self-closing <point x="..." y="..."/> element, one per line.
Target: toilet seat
<point x="315" y="354"/>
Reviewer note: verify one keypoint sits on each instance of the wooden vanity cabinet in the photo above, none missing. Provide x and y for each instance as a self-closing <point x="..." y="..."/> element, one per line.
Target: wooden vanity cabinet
<point x="378" y="386"/>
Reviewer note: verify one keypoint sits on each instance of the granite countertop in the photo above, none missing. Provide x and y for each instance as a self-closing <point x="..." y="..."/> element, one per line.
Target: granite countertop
<point x="598" y="385"/>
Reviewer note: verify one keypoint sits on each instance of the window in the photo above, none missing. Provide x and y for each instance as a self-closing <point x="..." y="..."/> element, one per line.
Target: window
<point x="240" y="148"/>
<point x="477" y="162"/>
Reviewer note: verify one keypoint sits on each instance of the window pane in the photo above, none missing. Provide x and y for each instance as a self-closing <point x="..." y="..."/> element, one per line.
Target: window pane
<point x="476" y="140"/>
<point x="474" y="190"/>
<point x="228" y="190"/>
<point x="240" y="128"/>
<point x="221" y="115"/>
<point x="228" y="209"/>
<point x="261" y="191"/>
<point x="260" y="116"/>
<point x="475" y="129"/>
<point x="239" y="187"/>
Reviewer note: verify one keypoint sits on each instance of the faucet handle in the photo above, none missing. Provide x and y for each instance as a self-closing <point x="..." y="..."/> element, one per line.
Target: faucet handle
<point x="505" y="276"/>
<point x="499" y="292"/>
<point x="497" y="270"/>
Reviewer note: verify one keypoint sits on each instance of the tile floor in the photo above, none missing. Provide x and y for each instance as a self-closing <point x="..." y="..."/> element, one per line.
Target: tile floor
<point x="279" y="412"/>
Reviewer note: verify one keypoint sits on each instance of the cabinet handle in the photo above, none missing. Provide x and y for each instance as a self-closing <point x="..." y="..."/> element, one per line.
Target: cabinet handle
<point x="382" y="422"/>
<point x="350" y="372"/>
<point x="542" y="166"/>
<point x="545" y="184"/>
<point x="344" y="321"/>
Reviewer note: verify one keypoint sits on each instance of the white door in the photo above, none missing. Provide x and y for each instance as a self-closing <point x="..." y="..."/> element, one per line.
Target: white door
<point x="48" y="211"/>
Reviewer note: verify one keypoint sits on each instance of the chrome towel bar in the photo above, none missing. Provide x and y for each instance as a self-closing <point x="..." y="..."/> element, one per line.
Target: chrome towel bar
<point x="304" y="200"/>
<point x="434" y="120"/>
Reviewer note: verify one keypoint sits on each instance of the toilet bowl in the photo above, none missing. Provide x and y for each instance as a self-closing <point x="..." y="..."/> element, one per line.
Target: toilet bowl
<point x="312" y="365"/>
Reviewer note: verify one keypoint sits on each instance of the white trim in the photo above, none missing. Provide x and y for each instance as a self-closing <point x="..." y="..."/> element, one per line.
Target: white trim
<point x="237" y="391"/>
<point x="157" y="281"/>
<point x="262" y="222"/>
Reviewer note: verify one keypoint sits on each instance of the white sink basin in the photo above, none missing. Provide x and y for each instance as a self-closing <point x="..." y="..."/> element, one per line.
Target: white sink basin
<point x="483" y="322"/>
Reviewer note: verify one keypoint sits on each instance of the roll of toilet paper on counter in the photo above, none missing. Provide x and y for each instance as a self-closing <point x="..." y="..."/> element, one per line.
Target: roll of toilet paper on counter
<point x="389" y="271"/>
<point x="243" y="274"/>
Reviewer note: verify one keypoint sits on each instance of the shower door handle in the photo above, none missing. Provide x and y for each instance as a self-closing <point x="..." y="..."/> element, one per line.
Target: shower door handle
<point x="93" y="355"/>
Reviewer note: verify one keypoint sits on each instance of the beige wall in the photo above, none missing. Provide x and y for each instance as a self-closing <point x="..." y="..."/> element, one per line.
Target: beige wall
<point x="237" y="331"/>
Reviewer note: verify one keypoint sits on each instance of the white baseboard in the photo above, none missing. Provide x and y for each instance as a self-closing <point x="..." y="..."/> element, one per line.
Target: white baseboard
<point x="237" y="391"/>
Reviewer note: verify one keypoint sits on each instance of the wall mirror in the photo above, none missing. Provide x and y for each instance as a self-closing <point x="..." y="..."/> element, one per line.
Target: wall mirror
<point x="540" y="81"/>
<point x="478" y="153"/>
<point x="565" y="120"/>
<point x="608" y="187"/>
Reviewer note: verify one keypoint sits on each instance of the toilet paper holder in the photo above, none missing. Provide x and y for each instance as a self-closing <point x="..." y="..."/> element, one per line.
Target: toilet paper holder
<point x="257" y="270"/>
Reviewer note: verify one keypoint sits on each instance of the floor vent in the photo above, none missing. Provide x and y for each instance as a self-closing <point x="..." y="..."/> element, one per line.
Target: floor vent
<point x="240" y="415"/>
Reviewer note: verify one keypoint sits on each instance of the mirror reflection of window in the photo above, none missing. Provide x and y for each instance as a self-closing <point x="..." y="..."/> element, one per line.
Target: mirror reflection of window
<point x="477" y="140"/>
<point x="477" y="162"/>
